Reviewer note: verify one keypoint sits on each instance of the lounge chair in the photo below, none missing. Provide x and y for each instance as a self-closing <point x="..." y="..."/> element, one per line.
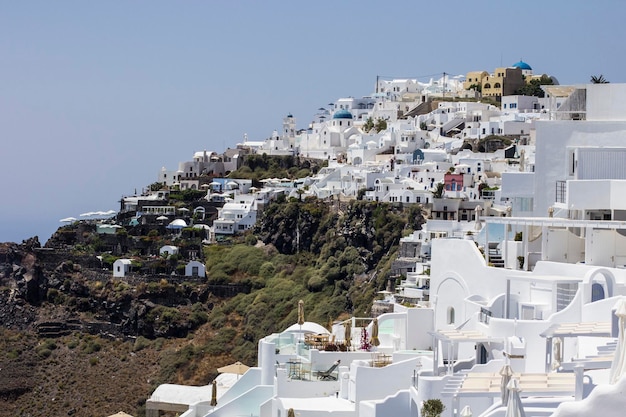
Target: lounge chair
<point x="328" y="375"/>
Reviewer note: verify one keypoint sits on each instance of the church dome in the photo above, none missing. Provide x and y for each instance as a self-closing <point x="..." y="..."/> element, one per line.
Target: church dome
<point x="342" y="114"/>
<point x="522" y="65"/>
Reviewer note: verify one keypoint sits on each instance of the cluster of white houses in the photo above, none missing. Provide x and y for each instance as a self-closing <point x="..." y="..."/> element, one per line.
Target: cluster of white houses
<point x="524" y="304"/>
<point x="422" y="143"/>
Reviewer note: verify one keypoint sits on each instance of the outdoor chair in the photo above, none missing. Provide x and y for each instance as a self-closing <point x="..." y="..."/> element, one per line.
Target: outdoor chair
<point x="328" y="375"/>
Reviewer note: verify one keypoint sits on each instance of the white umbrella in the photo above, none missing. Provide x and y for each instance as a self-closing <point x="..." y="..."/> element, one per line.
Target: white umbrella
<point x="478" y="225"/>
<point x="466" y="411"/>
<point x="514" y="407"/>
<point x="556" y="352"/>
<point x="374" y="339"/>
<point x="618" y="367"/>
<point x="506" y="373"/>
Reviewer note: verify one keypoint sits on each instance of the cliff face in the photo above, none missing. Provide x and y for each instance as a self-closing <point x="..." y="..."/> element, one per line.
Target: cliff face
<point x="54" y="291"/>
<point x="22" y="282"/>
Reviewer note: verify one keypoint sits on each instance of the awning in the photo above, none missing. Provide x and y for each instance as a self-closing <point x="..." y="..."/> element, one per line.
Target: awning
<point x="594" y="328"/>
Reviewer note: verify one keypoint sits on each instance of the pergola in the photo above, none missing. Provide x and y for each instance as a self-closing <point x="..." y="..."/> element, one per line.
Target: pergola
<point x="452" y="337"/>
<point x="489" y="385"/>
<point x="590" y="329"/>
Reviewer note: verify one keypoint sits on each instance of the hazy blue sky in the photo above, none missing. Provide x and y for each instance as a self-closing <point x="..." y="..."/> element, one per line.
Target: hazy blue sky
<point x="97" y="96"/>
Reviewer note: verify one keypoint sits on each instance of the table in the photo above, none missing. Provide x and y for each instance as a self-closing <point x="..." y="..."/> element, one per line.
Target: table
<point x="381" y="359"/>
<point x="317" y="341"/>
<point x="294" y="368"/>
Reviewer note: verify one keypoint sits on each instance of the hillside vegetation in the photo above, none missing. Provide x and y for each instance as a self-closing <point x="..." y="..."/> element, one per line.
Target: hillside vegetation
<point x="333" y="255"/>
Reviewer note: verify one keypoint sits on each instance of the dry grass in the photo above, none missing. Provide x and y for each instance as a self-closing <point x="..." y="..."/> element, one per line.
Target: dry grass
<point x="79" y="375"/>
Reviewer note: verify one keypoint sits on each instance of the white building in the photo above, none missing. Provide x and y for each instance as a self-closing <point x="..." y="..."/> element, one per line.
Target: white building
<point x="121" y="268"/>
<point x="195" y="269"/>
<point x="235" y="218"/>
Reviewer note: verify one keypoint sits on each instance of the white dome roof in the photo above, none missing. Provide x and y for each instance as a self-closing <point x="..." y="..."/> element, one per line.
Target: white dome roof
<point x="177" y="223"/>
<point x="307" y="327"/>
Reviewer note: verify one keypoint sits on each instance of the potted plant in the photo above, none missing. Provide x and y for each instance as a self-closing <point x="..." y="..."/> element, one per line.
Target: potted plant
<point x="432" y="408"/>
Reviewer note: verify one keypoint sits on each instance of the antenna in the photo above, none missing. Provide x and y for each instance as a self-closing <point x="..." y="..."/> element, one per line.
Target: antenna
<point x="444" y="85"/>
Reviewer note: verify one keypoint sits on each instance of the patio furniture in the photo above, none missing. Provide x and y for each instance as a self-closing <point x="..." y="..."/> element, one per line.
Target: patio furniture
<point x="328" y="375"/>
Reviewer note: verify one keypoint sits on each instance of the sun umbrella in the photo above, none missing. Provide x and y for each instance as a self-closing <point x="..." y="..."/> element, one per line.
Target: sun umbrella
<point x="234" y="368"/>
<point x="466" y="411"/>
<point x="556" y="352"/>
<point x="514" y="407"/>
<point x="291" y="413"/>
<point x="214" y="394"/>
<point x="374" y="340"/>
<point x="348" y="333"/>
<point x="300" y="312"/>
<point x="478" y="224"/>
<point x="618" y="367"/>
<point x="506" y="373"/>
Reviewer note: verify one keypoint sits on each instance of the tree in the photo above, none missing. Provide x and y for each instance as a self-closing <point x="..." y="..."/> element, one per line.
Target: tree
<point x="476" y="87"/>
<point x="599" y="79"/>
<point x="438" y="193"/>
<point x="533" y="87"/>
<point x="432" y="408"/>
<point x="369" y="125"/>
<point x="380" y="125"/>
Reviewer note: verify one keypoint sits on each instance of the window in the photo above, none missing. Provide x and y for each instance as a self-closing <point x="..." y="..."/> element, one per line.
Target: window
<point x="597" y="292"/>
<point x="450" y="315"/>
<point x="194" y="271"/>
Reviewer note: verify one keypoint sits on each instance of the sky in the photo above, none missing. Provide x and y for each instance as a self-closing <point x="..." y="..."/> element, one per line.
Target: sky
<point x="97" y="96"/>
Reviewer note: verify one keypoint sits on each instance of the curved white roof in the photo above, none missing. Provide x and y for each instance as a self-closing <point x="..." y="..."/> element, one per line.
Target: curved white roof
<point x="178" y="223"/>
<point x="307" y="327"/>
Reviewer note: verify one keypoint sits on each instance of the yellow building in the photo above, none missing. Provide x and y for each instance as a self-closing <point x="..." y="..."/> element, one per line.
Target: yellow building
<point x="474" y="78"/>
<point x="503" y="82"/>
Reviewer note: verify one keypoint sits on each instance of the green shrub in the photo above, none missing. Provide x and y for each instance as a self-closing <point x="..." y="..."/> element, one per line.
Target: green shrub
<point x="432" y="408"/>
<point x="44" y="353"/>
<point x="140" y="344"/>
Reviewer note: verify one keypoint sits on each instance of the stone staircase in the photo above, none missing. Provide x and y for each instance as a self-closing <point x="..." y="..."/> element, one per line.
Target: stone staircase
<point x="495" y="258"/>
